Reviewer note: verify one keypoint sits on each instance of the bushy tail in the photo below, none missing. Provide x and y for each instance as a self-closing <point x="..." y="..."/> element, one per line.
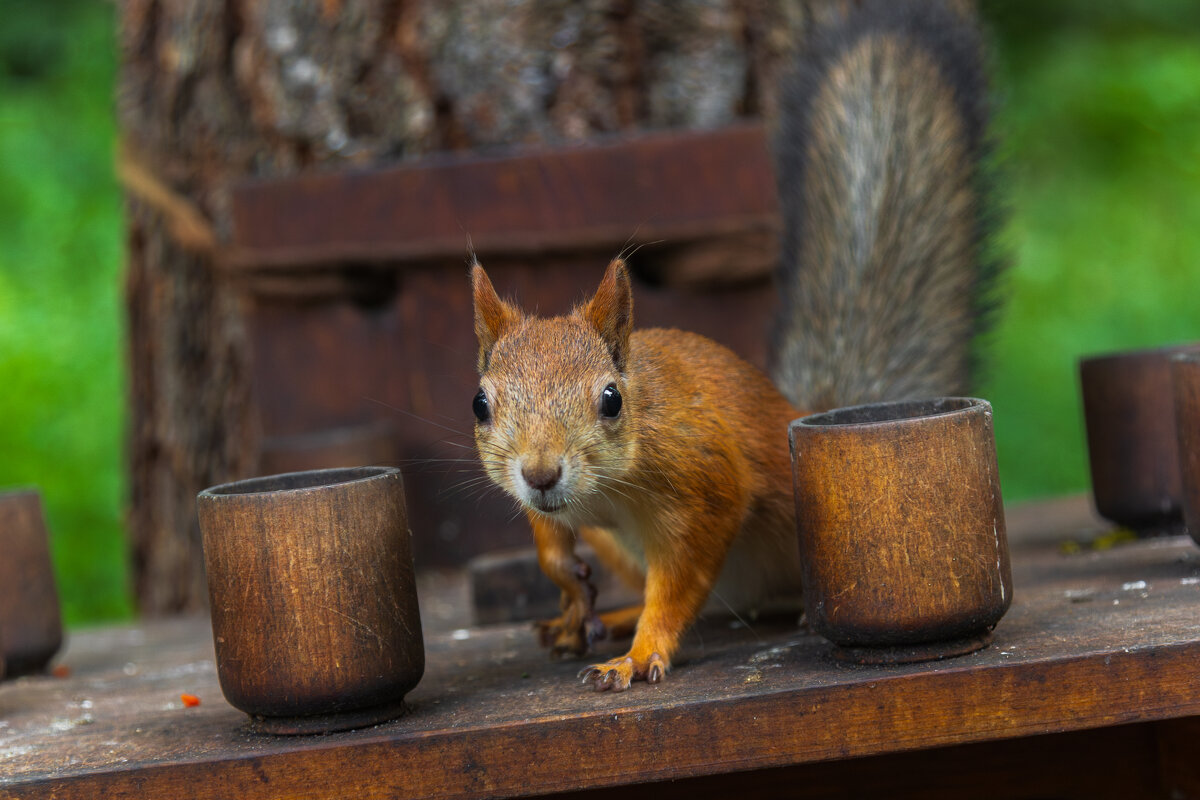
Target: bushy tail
<point x="885" y="278"/>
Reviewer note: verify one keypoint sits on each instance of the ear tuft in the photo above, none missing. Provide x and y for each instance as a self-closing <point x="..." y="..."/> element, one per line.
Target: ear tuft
<point x="610" y="311"/>
<point x="493" y="316"/>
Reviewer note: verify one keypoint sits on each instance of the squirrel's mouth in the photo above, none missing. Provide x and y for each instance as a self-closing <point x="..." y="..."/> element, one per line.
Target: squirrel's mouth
<point x="547" y="505"/>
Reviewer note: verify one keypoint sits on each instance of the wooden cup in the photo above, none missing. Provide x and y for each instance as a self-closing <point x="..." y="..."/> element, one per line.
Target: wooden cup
<point x="314" y="604"/>
<point x="1185" y="372"/>
<point x="30" y="620"/>
<point x="1133" y="453"/>
<point x="901" y="528"/>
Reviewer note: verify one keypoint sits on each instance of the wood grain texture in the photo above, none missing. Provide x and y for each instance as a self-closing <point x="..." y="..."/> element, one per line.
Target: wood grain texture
<point x="675" y="187"/>
<point x="1097" y="638"/>
<point x="313" y="598"/>
<point x="1119" y="763"/>
<point x="910" y="548"/>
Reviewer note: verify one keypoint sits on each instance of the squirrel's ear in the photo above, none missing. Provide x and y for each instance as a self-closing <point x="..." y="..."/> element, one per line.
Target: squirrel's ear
<point x="493" y="316"/>
<point x="610" y="311"/>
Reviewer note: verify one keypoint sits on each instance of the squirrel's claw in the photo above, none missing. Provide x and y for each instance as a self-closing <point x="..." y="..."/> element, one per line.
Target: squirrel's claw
<point x="618" y="674"/>
<point x="615" y="675"/>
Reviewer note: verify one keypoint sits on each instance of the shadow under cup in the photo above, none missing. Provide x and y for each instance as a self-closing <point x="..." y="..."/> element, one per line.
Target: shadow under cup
<point x="314" y="605"/>
<point x="1185" y="371"/>
<point x="901" y="528"/>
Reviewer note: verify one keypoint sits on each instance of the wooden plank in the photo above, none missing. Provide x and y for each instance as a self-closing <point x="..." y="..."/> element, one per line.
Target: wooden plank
<point x="1118" y="763"/>
<point x="677" y="186"/>
<point x="1095" y="638"/>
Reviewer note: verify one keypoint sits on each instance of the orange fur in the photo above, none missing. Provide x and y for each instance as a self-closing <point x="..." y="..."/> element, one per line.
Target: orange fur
<point x="883" y="278"/>
<point x="691" y="478"/>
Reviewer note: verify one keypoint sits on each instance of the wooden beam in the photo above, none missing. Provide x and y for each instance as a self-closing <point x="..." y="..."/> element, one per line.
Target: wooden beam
<point x="680" y="186"/>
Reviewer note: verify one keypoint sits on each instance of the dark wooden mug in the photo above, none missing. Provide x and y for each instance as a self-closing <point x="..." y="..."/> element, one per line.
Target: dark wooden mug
<point x="1185" y="371"/>
<point x="901" y="528"/>
<point x="314" y="604"/>
<point x="1133" y="453"/>
<point x="30" y="620"/>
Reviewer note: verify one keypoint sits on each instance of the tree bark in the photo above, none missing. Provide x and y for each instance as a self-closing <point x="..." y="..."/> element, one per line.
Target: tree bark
<point x="211" y="92"/>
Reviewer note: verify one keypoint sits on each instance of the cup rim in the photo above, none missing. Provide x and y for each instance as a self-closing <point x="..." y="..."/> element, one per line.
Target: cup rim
<point x="1168" y="351"/>
<point x="311" y="480"/>
<point x="19" y="490"/>
<point x="945" y="406"/>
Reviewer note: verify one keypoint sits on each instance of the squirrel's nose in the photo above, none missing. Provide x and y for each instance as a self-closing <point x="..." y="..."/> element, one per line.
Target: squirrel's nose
<point x="542" y="477"/>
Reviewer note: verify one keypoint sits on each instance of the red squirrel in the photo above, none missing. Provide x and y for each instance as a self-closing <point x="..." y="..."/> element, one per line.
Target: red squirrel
<point x="667" y="452"/>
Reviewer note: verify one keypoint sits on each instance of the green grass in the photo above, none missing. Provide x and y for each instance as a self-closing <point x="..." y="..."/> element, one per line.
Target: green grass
<point x="61" y="373"/>
<point x="1100" y="119"/>
<point x="1102" y="144"/>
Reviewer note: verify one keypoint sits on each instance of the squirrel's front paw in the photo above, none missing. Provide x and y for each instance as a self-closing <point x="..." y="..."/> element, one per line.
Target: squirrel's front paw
<point x="620" y="672"/>
<point x="566" y="637"/>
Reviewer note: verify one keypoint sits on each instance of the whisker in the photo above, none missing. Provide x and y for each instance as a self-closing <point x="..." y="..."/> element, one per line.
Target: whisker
<point x="616" y="491"/>
<point x="630" y="249"/>
<point x="735" y="614"/>
<point x="426" y="420"/>
<point x="457" y="444"/>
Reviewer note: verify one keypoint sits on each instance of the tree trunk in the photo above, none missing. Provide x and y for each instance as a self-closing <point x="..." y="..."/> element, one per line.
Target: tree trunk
<point x="211" y="92"/>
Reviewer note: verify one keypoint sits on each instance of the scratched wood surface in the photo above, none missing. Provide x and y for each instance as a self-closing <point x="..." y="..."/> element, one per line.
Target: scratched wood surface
<point x="1095" y="638"/>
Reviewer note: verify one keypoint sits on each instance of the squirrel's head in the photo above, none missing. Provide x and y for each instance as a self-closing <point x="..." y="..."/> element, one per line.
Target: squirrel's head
<point x="554" y="402"/>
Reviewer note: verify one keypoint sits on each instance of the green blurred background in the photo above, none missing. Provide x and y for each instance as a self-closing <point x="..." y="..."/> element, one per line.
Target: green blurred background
<point x="61" y="316"/>
<point x="1100" y="122"/>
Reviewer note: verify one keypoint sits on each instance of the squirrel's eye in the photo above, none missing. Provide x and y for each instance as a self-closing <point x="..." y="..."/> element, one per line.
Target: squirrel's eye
<point x="480" y="407"/>
<point x="610" y="401"/>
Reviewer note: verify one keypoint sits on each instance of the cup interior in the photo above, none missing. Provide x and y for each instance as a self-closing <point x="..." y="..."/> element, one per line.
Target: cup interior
<point x="892" y="412"/>
<point x="1188" y="357"/>
<point x="298" y="481"/>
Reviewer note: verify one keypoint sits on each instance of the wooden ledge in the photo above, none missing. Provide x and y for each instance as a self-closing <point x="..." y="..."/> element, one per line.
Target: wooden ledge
<point x="1095" y="638"/>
